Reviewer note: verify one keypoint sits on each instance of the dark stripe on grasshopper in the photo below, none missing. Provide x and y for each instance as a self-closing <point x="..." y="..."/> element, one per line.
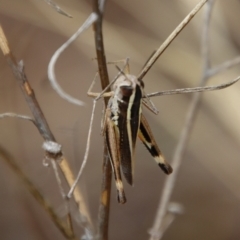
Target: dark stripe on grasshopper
<point x="148" y="140"/>
<point x="128" y="124"/>
<point x="112" y="141"/>
<point x="135" y="114"/>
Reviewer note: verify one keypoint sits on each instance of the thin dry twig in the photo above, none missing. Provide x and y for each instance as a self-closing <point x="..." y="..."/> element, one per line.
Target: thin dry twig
<point x="173" y="210"/>
<point x="194" y="90"/>
<point x="43" y="128"/>
<point x="57" y="8"/>
<point x="223" y="67"/>
<point x="86" y="152"/>
<point x="51" y="67"/>
<point x="15" y="115"/>
<point x="156" y="231"/>
<point x="36" y="194"/>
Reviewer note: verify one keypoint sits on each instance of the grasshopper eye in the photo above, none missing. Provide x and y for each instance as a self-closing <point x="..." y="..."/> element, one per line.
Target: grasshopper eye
<point x="126" y="90"/>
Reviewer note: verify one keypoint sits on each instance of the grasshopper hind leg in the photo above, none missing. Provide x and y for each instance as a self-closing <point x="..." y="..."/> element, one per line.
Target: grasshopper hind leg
<point x="112" y="141"/>
<point x="148" y="140"/>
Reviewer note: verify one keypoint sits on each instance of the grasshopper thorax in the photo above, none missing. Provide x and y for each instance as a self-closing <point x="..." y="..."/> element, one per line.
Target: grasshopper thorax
<point x="127" y="82"/>
<point x="127" y="99"/>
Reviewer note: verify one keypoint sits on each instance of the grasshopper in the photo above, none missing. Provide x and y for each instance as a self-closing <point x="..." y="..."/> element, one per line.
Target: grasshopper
<point x="123" y="123"/>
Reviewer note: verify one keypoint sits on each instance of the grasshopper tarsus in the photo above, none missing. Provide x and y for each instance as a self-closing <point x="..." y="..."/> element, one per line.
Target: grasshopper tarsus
<point x="166" y="168"/>
<point x="121" y="197"/>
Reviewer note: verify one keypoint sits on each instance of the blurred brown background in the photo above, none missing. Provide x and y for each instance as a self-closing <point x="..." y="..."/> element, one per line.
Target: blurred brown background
<point x="209" y="180"/>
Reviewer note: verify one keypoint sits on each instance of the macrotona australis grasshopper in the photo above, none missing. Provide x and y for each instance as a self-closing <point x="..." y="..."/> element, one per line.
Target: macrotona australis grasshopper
<point x="123" y="122"/>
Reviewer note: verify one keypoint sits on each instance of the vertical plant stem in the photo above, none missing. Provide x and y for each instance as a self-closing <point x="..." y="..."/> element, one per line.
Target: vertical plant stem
<point x="104" y="207"/>
<point x="156" y="231"/>
<point x="103" y="214"/>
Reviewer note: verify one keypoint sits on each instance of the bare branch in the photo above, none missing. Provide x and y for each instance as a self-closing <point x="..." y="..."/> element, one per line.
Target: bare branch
<point x="51" y="67"/>
<point x="223" y="67"/>
<point x="18" y="71"/>
<point x="42" y="125"/>
<point x="57" y="8"/>
<point x="173" y="210"/>
<point x="205" y="40"/>
<point x="157" y="230"/>
<point x="15" y="115"/>
<point x="101" y="5"/>
<point x="104" y="207"/>
<point x="168" y="41"/>
<point x="194" y="90"/>
<point x="86" y="152"/>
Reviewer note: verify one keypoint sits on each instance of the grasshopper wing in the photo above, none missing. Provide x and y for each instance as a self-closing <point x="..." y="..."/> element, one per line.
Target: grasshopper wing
<point x="128" y="124"/>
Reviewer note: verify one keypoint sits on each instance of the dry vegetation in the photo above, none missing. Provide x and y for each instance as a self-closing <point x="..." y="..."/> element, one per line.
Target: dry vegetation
<point x="203" y="129"/>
